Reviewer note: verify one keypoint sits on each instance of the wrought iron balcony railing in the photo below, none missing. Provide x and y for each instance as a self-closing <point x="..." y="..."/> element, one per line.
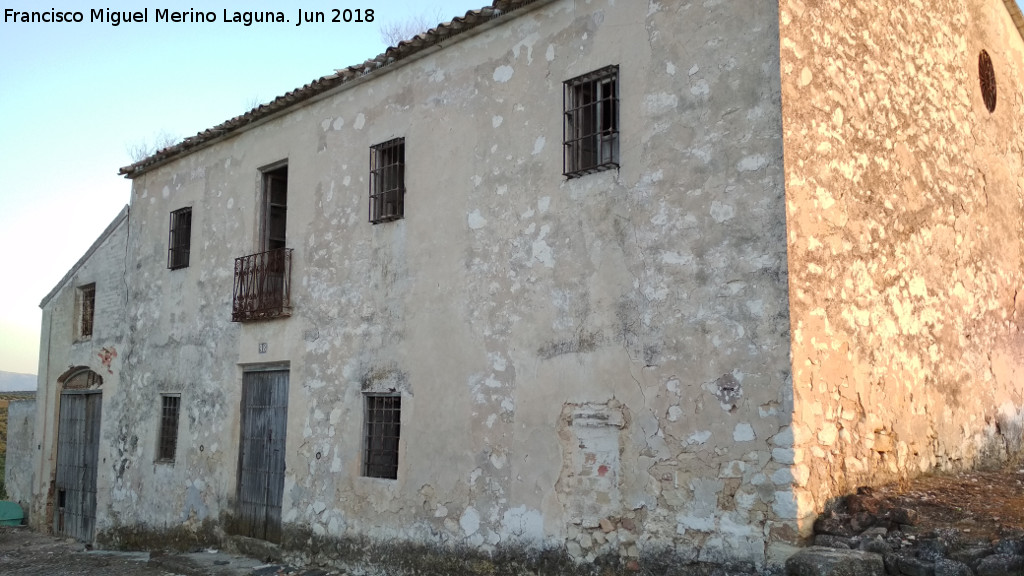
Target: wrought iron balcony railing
<point x="263" y="286"/>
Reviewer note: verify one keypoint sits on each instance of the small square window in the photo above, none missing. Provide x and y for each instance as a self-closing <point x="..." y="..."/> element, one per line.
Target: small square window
<point x="383" y="423"/>
<point x="591" y="126"/>
<point x="387" y="181"/>
<point x="180" y="241"/>
<point x="168" y="442"/>
<point x="86" y="304"/>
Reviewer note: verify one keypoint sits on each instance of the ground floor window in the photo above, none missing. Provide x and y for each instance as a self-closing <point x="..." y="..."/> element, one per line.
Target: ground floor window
<point x="380" y="444"/>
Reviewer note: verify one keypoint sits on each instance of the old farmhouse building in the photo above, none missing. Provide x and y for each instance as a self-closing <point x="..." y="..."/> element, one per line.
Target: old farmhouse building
<point x="604" y="281"/>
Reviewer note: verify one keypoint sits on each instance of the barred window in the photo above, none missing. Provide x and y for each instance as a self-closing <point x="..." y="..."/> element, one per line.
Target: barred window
<point x="591" y="126"/>
<point x="168" y="442"/>
<point x="383" y="418"/>
<point x="180" y="241"/>
<point x="86" y="310"/>
<point x="387" y="181"/>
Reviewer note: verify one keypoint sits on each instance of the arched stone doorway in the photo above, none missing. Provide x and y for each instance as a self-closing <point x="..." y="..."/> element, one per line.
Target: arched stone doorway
<point x="78" y="444"/>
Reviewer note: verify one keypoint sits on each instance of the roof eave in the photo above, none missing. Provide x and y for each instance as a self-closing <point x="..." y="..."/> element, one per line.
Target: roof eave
<point x="403" y="53"/>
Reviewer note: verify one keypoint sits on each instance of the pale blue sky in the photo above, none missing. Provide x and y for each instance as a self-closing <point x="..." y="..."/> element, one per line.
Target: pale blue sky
<point x="74" y="96"/>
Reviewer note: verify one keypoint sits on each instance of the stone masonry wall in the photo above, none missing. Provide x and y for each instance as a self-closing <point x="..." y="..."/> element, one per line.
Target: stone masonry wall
<point x="21" y="448"/>
<point x="904" y="219"/>
<point x="596" y="366"/>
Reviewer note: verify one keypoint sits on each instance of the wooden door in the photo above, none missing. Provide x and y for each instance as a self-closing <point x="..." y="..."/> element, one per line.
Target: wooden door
<point x="78" y="447"/>
<point x="262" y="454"/>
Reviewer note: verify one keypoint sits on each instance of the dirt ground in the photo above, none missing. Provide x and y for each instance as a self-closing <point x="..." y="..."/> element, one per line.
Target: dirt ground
<point x="27" y="553"/>
<point x="982" y="505"/>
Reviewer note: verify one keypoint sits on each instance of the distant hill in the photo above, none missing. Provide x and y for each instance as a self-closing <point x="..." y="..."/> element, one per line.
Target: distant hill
<point x="14" y="382"/>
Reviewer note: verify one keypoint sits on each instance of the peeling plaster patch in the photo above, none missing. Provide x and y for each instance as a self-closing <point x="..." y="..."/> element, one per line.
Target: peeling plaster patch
<point x="674" y="413"/>
<point x="470" y="521"/>
<point x="670" y="68"/>
<point x="721" y="212"/>
<point x="550" y="53"/>
<point x="498" y="460"/>
<point x="743" y="432"/>
<point x="529" y="41"/>
<point x="346" y="180"/>
<point x="660" y="103"/>
<point x="541" y="251"/>
<point x="194" y="501"/>
<point x="338" y="123"/>
<point x="752" y="163"/>
<point x="694" y="70"/>
<point x="166" y="192"/>
<point x="326" y="124"/>
<point x="733" y="469"/>
<point x="503" y="73"/>
<point x="523" y="525"/>
<point x="677" y="259"/>
<point x="756" y="308"/>
<point x="360" y="121"/>
<point x="701" y="89"/>
<point x="496" y="121"/>
<point x="475" y="220"/>
<point x="538" y="145"/>
<point x="543" y="204"/>
<point x="699" y="437"/>
<point x="805" y="77"/>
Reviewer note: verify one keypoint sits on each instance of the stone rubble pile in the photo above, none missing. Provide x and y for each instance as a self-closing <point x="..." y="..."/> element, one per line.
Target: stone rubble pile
<point x="863" y="535"/>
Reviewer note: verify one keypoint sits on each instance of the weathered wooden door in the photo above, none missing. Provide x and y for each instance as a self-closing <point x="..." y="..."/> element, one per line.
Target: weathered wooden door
<point x="261" y="454"/>
<point x="78" y="448"/>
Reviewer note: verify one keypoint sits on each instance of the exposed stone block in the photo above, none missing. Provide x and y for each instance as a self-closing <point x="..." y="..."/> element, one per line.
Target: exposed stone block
<point x="818" y="561"/>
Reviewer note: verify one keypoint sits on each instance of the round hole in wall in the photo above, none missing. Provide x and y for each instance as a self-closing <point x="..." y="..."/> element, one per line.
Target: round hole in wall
<point x="987" y="76"/>
<point x="317" y="455"/>
<point x="201" y="447"/>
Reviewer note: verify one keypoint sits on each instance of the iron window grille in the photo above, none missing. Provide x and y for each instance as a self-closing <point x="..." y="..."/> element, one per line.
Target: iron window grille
<point x="87" y="310"/>
<point x="387" y="181"/>
<point x="169" y="413"/>
<point x="180" y="239"/>
<point x="383" y="423"/>
<point x="591" y="125"/>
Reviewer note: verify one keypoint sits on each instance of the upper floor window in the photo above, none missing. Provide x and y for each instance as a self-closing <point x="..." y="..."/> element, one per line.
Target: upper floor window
<point x="275" y="209"/>
<point x="387" y="181"/>
<point x="591" y="125"/>
<point x="180" y="240"/>
<point x="85" y="303"/>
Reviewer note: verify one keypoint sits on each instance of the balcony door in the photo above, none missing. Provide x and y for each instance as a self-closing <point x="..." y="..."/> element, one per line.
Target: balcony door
<point x="263" y="280"/>
<point x="275" y="209"/>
